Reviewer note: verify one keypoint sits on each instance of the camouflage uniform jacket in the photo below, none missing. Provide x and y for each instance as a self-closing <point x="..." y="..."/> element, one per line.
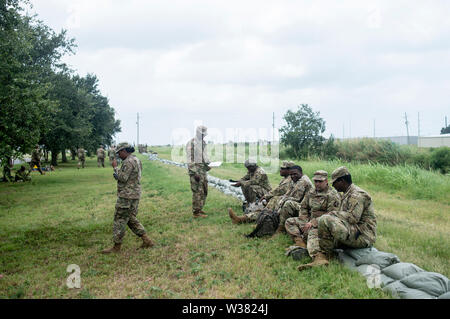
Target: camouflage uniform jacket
<point x="23" y="175"/>
<point x="299" y="189"/>
<point x="80" y="153"/>
<point x="258" y="177"/>
<point x="316" y="203"/>
<point x="36" y="155"/>
<point x="129" y="178"/>
<point x="197" y="157"/>
<point x="112" y="152"/>
<point x="284" y="186"/>
<point x="101" y="153"/>
<point x="357" y="210"/>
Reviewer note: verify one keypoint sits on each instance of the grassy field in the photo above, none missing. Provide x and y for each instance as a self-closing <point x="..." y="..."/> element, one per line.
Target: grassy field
<point x="65" y="217"/>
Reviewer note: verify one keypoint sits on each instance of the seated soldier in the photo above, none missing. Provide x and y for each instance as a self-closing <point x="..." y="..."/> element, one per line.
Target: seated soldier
<point x="290" y="203"/>
<point x="318" y="201"/>
<point x="255" y="184"/>
<point x="269" y="200"/>
<point x="352" y="226"/>
<point x="22" y="175"/>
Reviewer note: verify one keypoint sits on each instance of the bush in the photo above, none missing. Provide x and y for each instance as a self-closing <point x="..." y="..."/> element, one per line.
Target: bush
<point x="440" y="159"/>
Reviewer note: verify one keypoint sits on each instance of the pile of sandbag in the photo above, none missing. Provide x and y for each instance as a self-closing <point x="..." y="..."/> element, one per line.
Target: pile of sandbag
<point x="403" y="280"/>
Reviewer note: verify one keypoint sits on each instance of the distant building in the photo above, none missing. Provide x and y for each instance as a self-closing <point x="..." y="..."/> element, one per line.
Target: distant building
<point x="434" y="141"/>
<point x="401" y="140"/>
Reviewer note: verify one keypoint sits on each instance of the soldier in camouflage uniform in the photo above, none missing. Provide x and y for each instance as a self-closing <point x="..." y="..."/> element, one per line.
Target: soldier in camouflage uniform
<point x="269" y="200"/>
<point x="352" y="226"/>
<point x="111" y="153"/>
<point x="36" y="159"/>
<point x="128" y="195"/>
<point x="255" y="184"/>
<point x="318" y="201"/>
<point x="101" y="156"/>
<point x="81" y="157"/>
<point x="198" y="166"/>
<point x="22" y="175"/>
<point x="290" y="203"/>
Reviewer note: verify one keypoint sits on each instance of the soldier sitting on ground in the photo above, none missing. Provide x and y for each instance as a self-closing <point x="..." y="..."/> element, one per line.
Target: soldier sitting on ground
<point x="320" y="200"/>
<point x="22" y="175"/>
<point x="352" y="226"/>
<point x="255" y="184"/>
<point x="269" y="200"/>
<point x="290" y="203"/>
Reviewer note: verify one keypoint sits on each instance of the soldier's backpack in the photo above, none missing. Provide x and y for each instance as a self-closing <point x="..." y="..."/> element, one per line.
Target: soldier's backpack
<point x="266" y="224"/>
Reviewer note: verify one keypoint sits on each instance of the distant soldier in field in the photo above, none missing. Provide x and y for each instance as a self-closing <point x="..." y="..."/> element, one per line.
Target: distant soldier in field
<point x="255" y="184"/>
<point x="81" y="157"/>
<point x="198" y="166"/>
<point x="112" y="153"/>
<point x="290" y="203"/>
<point x="320" y="200"/>
<point x="128" y="195"/>
<point x="270" y="199"/>
<point x="352" y="226"/>
<point x="22" y="175"/>
<point x="7" y="177"/>
<point x="36" y="159"/>
<point x="101" y="156"/>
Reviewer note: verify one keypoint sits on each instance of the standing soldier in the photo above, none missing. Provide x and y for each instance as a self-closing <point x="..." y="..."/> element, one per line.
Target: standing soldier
<point x="271" y="198"/>
<point x="318" y="201"/>
<point x="7" y="177"/>
<point x="198" y="166"/>
<point x="353" y="225"/>
<point x="255" y="184"/>
<point x="112" y="153"/>
<point x="101" y="156"/>
<point x="290" y="203"/>
<point x="128" y="195"/>
<point x="36" y="159"/>
<point x="81" y="157"/>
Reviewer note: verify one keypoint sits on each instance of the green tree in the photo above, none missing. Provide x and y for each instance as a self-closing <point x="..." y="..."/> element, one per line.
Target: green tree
<point x="303" y="132"/>
<point x="29" y="52"/>
<point x="445" y="130"/>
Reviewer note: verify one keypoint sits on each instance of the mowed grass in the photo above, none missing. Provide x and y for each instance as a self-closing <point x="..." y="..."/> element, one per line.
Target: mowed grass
<point x="65" y="217"/>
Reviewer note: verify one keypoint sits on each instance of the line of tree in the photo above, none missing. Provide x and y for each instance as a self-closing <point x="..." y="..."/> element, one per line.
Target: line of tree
<point x="42" y="101"/>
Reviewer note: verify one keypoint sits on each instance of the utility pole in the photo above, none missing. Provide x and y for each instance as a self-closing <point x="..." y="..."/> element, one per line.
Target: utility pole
<point x="418" y="124"/>
<point x="343" y="130"/>
<point x="273" y="127"/>
<point x="407" y="129"/>
<point x="446" y="121"/>
<point x="373" y="128"/>
<point x="137" y="124"/>
<point x="350" y="128"/>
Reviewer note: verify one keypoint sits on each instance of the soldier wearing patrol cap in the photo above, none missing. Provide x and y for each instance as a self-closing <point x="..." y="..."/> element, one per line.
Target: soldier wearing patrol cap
<point x="128" y="195"/>
<point x="318" y="201"/>
<point x="198" y="166"/>
<point x="255" y="184"/>
<point x="270" y="199"/>
<point x="352" y="225"/>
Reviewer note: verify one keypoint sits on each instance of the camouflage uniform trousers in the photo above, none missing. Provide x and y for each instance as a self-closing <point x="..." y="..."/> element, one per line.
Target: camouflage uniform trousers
<point x="252" y="192"/>
<point x="273" y="204"/>
<point x="100" y="161"/>
<point x="126" y="211"/>
<point x="337" y="233"/>
<point x="81" y="162"/>
<point x="37" y="163"/>
<point x="289" y="209"/>
<point x="311" y="238"/>
<point x="199" y="192"/>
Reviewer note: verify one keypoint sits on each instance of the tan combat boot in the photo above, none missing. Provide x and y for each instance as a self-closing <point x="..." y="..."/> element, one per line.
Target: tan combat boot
<point x="318" y="260"/>
<point x="237" y="219"/>
<point x="199" y="213"/>
<point x="146" y="242"/>
<point x="279" y="230"/>
<point x="299" y="242"/>
<point x="114" y="249"/>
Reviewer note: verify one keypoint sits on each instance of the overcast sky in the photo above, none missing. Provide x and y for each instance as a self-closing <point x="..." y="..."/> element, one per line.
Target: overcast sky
<point x="230" y="64"/>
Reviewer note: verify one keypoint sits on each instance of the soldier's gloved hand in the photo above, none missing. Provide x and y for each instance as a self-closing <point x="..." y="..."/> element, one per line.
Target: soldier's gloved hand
<point x="115" y="176"/>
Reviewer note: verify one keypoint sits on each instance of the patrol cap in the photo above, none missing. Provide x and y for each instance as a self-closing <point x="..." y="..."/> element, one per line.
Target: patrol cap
<point x="320" y="175"/>
<point x="287" y="164"/>
<point x="122" y="146"/>
<point x="339" y="172"/>
<point x="250" y="162"/>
